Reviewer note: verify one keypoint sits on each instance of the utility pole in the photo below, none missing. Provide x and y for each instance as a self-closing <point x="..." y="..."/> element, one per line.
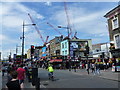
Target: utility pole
<point x="16" y="49"/>
<point x="23" y="37"/>
<point x="23" y="43"/>
<point x="0" y="60"/>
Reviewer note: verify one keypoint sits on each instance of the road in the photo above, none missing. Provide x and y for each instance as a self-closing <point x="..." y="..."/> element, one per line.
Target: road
<point x="67" y="79"/>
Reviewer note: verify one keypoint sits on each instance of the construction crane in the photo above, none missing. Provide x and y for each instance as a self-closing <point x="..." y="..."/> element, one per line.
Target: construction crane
<point x="54" y="28"/>
<point x="68" y="20"/>
<point x="46" y="40"/>
<point x="75" y="34"/>
<point x="75" y="37"/>
<point x="36" y="28"/>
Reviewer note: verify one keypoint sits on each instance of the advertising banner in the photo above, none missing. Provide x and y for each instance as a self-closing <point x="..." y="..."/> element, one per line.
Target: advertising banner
<point x="44" y="51"/>
<point x="78" y="45"/>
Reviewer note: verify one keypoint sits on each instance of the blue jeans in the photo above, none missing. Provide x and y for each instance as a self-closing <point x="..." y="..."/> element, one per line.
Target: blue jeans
<point x="50" y="73"/>
<point x="21" y="81"/>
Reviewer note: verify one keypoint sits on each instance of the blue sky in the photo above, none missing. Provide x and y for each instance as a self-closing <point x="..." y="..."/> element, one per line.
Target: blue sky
<point x="85" y="17"/>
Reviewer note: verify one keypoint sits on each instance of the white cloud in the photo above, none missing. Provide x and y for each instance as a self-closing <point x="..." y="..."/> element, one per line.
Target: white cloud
<point x="83" y="20"/>
<point x="12" y="16"/>
<point x="48" y="3"/>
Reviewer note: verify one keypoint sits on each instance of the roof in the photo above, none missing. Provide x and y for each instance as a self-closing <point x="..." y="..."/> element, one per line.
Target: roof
<point x="56" y="38"/>
<point x="80" y="39"/>
<point x="112" y="11"/>
<point x="98" y="44"/>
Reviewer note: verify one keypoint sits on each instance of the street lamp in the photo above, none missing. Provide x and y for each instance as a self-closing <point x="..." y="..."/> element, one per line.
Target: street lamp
<point x="65" y="28"/>
<point x="23" y="38"/>
<point x="17" y="48"/>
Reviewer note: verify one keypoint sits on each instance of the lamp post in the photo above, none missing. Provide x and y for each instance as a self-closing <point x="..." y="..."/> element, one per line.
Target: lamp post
<point x="23" y="36"/>
<point x="17" y="49"/>
<point x="65" y="28"/>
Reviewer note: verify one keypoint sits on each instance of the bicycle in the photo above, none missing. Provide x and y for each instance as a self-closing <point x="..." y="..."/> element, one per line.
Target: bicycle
<point x="51" y="77"/>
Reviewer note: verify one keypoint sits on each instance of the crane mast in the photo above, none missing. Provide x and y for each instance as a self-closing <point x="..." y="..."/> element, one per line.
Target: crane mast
<point x="68" y="20"/>
<point x="54" y="28"/>
<point x="36" y="28"/>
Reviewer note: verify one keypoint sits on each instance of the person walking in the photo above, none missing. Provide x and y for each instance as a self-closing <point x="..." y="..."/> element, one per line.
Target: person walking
<point x="93" y="68"/>
<point x="21" y="74"/>
<point x="87" y="67"/>
<point x="14" y="83"/>
<point x="97" y="68"/>
<point x="29" y="73"/>
<point x="3" y="70"/>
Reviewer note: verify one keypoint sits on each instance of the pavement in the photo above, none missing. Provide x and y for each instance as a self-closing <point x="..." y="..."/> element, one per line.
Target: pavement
<point x="107" y="74"/>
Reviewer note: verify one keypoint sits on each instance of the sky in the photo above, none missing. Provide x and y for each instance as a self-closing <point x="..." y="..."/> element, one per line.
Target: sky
<point x="87" y="18"/>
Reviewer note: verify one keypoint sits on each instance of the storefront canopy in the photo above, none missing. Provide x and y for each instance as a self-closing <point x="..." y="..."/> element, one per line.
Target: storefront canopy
<point x="56" y="60"/>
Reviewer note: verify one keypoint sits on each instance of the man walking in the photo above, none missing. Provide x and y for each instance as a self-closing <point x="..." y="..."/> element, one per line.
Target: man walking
<point x="87" y="67"/>
<point x="21" y="74"/>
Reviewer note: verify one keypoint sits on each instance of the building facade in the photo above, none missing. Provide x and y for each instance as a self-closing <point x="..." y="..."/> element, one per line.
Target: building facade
<point x="64" y="48"/>
<point x="55" y="46"/>
<point x="75" y="47"/>
<point x="101" y="49"/>
<point x="28" y="54"/>
<point x="113" y="18"/>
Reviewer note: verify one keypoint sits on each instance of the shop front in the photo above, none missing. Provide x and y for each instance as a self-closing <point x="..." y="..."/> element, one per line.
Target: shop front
<point x="116" y="59"/>
<point x="57" y="63"/>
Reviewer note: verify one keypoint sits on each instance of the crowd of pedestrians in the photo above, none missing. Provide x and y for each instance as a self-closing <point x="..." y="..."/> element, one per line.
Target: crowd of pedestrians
<point x="16" y="75"/>
<point x="94" y="67"/>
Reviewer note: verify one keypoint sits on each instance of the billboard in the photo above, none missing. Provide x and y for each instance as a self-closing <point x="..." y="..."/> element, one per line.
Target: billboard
<point x="78" y="45"/>
<point x="44" y="49"/>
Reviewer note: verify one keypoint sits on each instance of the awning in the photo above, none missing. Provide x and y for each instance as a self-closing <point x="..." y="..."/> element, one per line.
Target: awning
<point x="56" y="60"/>
<point x="43" y="57"/>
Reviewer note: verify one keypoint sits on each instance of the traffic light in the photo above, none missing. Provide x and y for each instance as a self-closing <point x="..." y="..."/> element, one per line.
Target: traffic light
<point x="103" y="55"/>
<point x="87" y="49"/>
<point x="32" y="49"/>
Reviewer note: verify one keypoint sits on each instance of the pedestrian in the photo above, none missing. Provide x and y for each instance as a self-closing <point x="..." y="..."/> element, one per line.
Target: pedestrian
<point x="93" y="68"/>
<point x="104" y="65"/>
<point x="21" y="74"/>
<point x="97" y="68"/>
<point x="3" y="70"/>
<point x="29" y="74"/>
<point x="14" y="83"/>
<point x="87" y="67"/>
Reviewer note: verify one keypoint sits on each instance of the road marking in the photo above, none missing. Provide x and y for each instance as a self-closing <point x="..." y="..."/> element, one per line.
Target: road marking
<point x="42" y="86"/>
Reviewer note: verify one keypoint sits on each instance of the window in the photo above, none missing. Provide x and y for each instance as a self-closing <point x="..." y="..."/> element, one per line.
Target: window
<point x="117" y="41"/>
<point x="115" y="23"/>
<point x="65" y="51"/>
<point x="65" y="44"/>
<point x="62" y="52"/>
<point x="62" y="45"/>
